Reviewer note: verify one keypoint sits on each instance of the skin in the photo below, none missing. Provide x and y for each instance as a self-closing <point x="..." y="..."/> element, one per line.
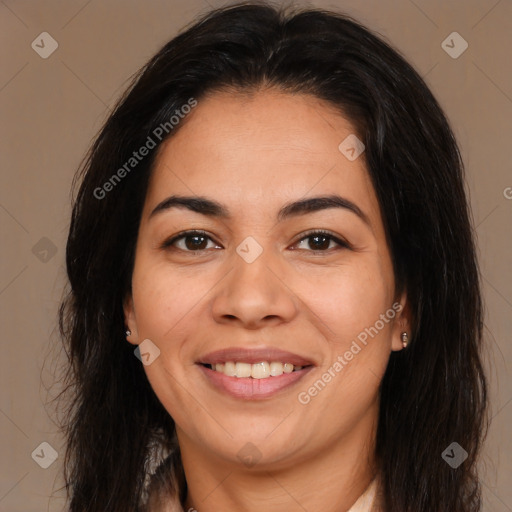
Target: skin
<point x="255" y="153"/>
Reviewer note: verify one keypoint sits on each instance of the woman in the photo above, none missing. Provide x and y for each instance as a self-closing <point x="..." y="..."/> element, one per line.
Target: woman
<point x="275" y="297"/>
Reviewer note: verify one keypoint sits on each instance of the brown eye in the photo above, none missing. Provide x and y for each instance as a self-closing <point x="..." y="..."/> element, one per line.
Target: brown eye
<point x="320" y="241"/>
<point x="195" y="242"/>
<point x="190" y="241"/>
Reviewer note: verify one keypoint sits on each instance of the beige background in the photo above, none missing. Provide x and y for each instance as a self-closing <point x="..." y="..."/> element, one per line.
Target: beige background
<point x="51" y="109"/>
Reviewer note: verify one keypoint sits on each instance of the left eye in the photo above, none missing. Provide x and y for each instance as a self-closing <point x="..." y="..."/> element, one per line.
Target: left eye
<point x="321" y="241"/>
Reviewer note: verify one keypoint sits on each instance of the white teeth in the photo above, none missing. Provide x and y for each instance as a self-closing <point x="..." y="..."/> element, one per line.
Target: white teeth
<point x="287" y="368"/>
<point x="260" y="370"/>
<point x="230" y="369"/>
<point x="243" y="369"/>
<point x="276" y="369"/>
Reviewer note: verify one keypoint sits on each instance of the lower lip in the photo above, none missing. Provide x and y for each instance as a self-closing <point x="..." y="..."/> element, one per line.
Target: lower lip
<point x="248" y="388"/>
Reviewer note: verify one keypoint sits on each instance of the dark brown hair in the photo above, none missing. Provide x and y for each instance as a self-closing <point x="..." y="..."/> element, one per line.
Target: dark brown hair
<point x="432" y="394"/>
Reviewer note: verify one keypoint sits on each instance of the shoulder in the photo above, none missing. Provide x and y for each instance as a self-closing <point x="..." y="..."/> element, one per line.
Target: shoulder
<point x="370" y="500"/>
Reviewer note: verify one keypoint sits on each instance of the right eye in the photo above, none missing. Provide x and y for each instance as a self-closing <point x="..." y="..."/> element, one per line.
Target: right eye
<point x="194" y="241"/>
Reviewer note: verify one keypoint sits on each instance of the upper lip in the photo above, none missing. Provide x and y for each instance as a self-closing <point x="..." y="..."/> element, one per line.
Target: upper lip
<point x="246" y="355"/>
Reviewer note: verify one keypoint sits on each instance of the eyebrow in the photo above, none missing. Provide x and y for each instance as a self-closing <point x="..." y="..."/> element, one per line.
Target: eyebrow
<point x="212" y="208"/>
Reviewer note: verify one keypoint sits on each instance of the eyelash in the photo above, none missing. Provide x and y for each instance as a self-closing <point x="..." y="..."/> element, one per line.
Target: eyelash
<point x="310" y="234"/>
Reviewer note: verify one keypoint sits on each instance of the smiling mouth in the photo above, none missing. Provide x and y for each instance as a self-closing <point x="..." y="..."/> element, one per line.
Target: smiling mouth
<point x="260" y="370"/>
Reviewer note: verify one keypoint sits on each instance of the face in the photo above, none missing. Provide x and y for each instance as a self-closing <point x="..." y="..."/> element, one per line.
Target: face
<point x="259" y="285"/>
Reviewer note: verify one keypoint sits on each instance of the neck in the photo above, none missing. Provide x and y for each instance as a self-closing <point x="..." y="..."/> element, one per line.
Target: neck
<point x="342" y="471"/>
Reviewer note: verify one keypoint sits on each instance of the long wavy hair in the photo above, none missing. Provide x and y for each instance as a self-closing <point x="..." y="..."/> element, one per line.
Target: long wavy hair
<point x="432" y="394"/>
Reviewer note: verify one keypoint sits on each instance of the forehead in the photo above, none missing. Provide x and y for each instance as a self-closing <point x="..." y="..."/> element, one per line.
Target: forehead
<point x="262" y="149"/>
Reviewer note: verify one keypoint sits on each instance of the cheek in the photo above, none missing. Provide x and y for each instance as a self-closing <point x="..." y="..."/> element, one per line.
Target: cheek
<point x="165" y="301"/>
<point x="355" y="308"/>
<point x="164" y="304"/>
<point x="347" y="299"/>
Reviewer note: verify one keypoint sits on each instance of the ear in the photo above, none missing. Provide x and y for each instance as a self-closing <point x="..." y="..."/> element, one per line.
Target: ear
<point x="402" y="322"/>
<point x="130" y="321"/>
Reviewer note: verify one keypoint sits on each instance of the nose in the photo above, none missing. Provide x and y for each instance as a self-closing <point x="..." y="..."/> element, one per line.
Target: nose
<point x="255" y="294"/>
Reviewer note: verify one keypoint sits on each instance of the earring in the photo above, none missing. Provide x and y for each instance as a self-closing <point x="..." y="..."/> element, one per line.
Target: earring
<point x="405" y="339"/>
<point x="128" y="332"/>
